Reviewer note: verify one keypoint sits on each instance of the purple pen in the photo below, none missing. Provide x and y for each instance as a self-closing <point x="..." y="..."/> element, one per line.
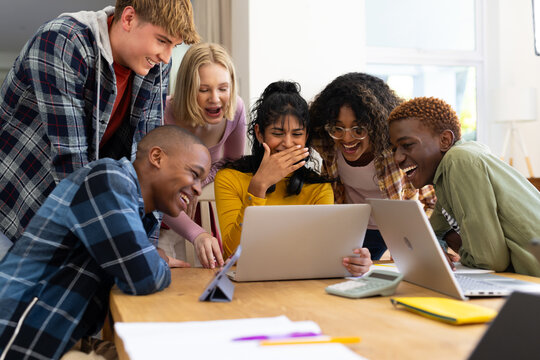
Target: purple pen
<point x="276" y="337"/>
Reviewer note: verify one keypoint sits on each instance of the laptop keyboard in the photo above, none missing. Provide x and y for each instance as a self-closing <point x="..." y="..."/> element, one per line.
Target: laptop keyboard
<point x="469" y="284"/>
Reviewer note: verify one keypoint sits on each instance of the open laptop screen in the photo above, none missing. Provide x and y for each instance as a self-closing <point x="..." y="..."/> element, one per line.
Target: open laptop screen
<point x="283" y="242"/>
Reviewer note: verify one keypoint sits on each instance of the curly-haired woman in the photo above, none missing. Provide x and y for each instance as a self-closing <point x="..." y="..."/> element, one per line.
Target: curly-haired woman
<point x="350" y="132"/>
<point x="279" y="169"/>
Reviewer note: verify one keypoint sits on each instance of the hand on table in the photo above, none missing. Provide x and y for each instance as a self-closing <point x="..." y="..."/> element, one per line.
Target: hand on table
<point x="208" y="251"/>
<point x="359" y="263"/>
<point x="453" y="240"/>
<point x="451" y="258"/>
<point x="172" y="262"/>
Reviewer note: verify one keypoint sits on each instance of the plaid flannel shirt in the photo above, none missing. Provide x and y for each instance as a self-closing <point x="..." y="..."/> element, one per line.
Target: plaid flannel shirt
<point x="48" y="117"/>
<point x="393" y="182"/>
<point x="90" y="233"/>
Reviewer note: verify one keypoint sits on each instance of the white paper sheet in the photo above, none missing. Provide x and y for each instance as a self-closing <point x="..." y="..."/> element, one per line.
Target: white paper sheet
<point x="213" y="339"/>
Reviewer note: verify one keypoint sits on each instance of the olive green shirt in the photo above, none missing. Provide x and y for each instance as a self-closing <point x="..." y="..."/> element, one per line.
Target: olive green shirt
<point x="496" y="208"/>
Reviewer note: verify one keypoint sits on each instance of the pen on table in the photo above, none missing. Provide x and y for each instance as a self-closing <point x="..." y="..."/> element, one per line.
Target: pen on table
<point x="314" y="340"/>
<point x="282" y="336"/>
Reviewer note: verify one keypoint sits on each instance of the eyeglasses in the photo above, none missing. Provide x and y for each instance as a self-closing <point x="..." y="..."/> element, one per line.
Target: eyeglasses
<point x="338" y="132"/>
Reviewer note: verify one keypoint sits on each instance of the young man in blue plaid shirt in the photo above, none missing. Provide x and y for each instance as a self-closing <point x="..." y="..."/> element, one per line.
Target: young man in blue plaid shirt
<point x="87" y="85"/>
<point x="90" y="233"/>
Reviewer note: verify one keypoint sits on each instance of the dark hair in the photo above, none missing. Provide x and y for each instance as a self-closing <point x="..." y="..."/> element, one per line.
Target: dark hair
<point x="171" y="138"/>
<point x="279" y="100"/>
<point x="369" y="97"/>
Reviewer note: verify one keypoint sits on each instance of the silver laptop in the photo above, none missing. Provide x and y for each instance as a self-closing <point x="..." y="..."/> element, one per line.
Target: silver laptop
<point x="284" y="242"/>
<point x="418" y="255"/>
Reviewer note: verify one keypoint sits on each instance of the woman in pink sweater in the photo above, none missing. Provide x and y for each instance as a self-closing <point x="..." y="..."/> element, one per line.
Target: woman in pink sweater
<point x="205" y="103"/>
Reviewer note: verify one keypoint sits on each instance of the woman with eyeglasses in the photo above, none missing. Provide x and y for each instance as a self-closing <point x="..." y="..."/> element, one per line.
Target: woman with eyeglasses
<point x="350" y="132"/>
<point x="278" y="171"/>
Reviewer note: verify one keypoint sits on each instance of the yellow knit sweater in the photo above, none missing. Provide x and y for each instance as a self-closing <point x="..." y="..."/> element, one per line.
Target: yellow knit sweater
<point x="232" y="198"/>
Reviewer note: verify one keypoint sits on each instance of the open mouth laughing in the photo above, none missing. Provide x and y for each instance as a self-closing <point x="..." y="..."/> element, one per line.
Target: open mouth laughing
<point x="150" y="62"/>
<point x="214" y="112"/>
<point x="185" y="199"/>
<point x="410" y="170"/>
<point x="350" y="148"/>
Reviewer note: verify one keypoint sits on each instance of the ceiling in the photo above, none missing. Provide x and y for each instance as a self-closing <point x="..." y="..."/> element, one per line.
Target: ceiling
<point x="19" y="19"/>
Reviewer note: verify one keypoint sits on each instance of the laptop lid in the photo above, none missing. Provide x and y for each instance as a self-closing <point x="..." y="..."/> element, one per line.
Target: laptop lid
<point x="409" y="236"/>
<point x="418" y="255"/>
<point x="283" y="242"/>
<point x="514" y="332"/>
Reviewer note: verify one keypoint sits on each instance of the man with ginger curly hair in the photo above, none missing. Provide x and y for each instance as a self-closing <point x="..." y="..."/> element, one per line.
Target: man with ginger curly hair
<point x="350" y="133"/>
<point x="86" y="86"/>
<point x="486" y="211"/>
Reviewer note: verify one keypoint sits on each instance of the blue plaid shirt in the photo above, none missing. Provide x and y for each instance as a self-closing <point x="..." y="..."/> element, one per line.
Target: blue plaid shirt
<point x="48" y="115"/>
<point x="90" y="233"/>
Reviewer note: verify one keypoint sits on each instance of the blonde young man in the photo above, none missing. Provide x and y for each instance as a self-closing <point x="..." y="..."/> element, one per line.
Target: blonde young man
<point x="88" y="85"/>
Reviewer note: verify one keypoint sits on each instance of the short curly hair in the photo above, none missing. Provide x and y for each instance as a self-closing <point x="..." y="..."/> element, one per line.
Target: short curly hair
<point x="433" y="113"/>
<point x="369" y="97"/>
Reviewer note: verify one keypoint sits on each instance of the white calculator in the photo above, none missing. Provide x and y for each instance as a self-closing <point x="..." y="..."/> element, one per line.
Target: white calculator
<point x="376" y="282"/>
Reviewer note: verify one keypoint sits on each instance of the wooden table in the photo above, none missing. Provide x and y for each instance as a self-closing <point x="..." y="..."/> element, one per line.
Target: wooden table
<point x="386" y="332"/>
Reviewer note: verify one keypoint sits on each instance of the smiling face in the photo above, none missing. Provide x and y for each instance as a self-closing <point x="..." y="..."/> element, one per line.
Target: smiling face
<point x="142" y="45"/>
<point x="179" y="179"/>
<point x="418" y="151"/>
<point x="351" y="148"/>
<point x="214" y="92"/>
<point x="283" y="134"/>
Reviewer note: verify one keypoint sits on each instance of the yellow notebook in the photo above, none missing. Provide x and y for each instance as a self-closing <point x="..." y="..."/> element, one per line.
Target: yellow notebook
<point x="447" y="310"/>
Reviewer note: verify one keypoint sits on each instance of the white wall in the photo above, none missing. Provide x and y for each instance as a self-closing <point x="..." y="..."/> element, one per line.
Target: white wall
<point x="511" y="63"/>
<point x="176" y="58"/>
<point x="240" y="46"/>
<point x="308" y="41"/>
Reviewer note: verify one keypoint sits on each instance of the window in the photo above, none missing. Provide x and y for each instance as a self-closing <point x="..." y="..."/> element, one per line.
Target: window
<point x="429" y="48"/>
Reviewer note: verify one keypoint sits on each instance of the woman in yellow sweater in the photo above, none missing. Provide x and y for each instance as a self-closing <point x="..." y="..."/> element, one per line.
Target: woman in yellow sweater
<point x="277" y="171"/>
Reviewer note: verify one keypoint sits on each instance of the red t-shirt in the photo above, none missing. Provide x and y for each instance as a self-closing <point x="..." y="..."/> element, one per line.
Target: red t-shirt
<point x="124" y="80"/>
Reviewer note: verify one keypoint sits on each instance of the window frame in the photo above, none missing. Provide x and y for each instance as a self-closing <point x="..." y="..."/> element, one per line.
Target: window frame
<point x="476" y="58"/>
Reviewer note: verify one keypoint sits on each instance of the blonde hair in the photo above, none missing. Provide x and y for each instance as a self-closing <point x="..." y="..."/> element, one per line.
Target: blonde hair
<point x="184" y="99"/>
<point x="174" y="16"/>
